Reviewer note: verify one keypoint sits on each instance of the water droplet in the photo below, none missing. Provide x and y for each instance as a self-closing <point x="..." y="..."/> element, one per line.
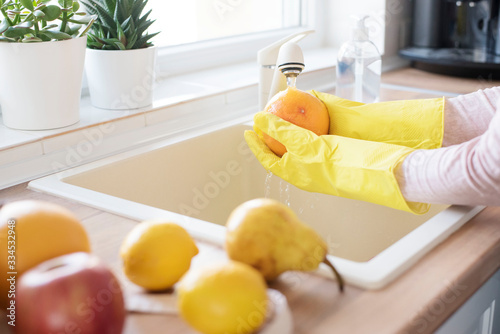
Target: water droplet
<point x="267" y="184"/>
<point x="285" y="192"/>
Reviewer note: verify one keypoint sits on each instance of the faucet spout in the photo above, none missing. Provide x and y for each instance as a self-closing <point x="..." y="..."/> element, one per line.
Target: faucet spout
<point x="271" y="58"/>
<point x="290" y="64"/>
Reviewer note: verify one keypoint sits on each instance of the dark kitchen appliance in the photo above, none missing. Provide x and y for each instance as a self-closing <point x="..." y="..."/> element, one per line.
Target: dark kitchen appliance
<point x="456" y="37"/>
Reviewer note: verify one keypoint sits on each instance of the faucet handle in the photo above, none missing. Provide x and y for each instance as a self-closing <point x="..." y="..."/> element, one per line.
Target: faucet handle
<point x="267" y="56"/>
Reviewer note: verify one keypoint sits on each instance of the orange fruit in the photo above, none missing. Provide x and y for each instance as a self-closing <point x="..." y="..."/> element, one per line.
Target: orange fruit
<point x="33" y="232"/>
<point x="300" y="108"/>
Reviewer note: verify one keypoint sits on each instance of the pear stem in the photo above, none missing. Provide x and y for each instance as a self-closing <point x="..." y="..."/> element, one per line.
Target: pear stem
<point x="340" y="280"/>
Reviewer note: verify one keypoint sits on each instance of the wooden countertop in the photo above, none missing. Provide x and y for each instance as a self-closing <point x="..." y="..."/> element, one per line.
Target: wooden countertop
<point x="417" y="302"/>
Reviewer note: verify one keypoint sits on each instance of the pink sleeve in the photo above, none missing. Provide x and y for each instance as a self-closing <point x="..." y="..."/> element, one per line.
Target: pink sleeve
<point x="467" y="116"/>
<point x="467" y="174"/>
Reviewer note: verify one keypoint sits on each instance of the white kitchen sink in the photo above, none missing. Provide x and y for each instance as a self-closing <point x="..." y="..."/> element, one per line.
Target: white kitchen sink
<point x="197" y="178"/>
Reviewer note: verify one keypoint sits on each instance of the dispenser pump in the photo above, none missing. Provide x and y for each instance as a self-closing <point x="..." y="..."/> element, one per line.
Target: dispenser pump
<point x="359" y="66"/>
<point x="360" y="30"/>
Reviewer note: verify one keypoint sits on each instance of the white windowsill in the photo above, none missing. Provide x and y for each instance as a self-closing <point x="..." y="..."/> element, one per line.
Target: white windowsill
<point x="181" y="103"/>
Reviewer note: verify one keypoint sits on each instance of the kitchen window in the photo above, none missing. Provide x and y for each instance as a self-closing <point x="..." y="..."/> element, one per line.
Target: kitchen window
<point x="191" y="21"/>
<point x="198" y="34"/>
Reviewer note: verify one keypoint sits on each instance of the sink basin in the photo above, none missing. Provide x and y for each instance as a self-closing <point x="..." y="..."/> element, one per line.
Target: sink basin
<point x="197" y="178"/>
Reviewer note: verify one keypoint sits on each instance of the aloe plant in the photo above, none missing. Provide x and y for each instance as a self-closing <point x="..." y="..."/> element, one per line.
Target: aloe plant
<point x="120" y="24"/>
<point x="41" y="21"/>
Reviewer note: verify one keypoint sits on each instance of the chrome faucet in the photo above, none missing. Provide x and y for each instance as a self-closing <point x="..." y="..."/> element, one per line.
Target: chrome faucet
<point x="281" y="58"/>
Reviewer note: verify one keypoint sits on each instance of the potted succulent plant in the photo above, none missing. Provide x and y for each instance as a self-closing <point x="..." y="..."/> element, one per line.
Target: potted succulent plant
<point x="42" y="49"/>
<point x="120" y="56"/>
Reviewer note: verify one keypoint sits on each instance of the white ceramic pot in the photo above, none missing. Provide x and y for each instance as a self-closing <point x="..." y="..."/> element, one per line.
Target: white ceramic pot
<point x="41" y="83"/>
<point x="121" y="79"/>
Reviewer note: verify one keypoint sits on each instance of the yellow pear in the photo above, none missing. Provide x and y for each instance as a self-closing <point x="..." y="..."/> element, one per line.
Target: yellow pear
<point x="267" y="235"/>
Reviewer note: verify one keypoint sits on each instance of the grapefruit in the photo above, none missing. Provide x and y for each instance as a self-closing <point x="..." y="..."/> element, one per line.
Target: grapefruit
<point x="300" y="108"/>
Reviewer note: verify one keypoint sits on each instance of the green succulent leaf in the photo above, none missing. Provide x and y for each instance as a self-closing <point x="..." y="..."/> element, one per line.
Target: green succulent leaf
<point x="121" y="35"/>
<point x="76" y="6"/>
<point x="87" y="28"/>
<point x="94" y="42"/>
<point x="73" y="29"/>
<point x="143" y="27"/>
<point x="131" y="26"/>
<point x="119" y="12"/>
<point x="94" y="45"/>
<point x="91" y="38"/>
<point x="143" y="41"/>
<point x="50" y="26"/>
<point x="32" y="39"/>
<point x="29" y="17"/>
<point x="120" y="46"/>
<point x="105" y="19"/>
<point x="13" y="32"/>
<point x="144" y="18"/>
<point x="131" y="42"/>
<point x="65" y="3"/>
<point x="4" y="25"/>
<point x="40" y="6"/>
<point x="55" y="34"/>
<point x="125" y="23"/>
<point x="52" y="12"/>
<point x="89" y="7"/>
<point x="110" y="41"/>
<point x="137" y="8"/>
<point x="39" y="13"/>
<point x="113" y="44"/>
<point x="108" y="5"/>
<point x="14" y="12"/>
<point x="27" y="24"/>
<point x="45" y="38"/>
<point x="28" y="4"/>
<point x="126" y="6"/>
<point x="83" y="20"/>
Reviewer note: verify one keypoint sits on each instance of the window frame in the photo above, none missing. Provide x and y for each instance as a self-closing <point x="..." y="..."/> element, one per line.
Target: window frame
<point x="174" y="60"/>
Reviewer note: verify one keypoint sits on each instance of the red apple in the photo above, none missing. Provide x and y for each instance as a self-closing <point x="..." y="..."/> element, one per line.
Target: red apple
<point x="74" y="293"/>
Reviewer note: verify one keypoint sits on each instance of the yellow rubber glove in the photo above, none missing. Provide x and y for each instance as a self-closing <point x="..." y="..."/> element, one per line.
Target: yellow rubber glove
<point x="413" y="123"/>
<point x="330" y="164"/>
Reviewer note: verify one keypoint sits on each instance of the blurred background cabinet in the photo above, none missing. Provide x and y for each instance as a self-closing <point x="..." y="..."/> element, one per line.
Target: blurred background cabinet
<point x="480" y="314"/>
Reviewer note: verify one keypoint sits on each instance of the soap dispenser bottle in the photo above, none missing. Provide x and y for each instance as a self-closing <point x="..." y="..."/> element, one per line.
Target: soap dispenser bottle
<point x="359" y="67"/>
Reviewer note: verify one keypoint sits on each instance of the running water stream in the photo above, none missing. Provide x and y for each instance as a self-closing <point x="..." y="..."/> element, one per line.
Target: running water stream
<point x="284" y="189"/>
<point x="267" y="184"/>
<point x="285" y="192"/>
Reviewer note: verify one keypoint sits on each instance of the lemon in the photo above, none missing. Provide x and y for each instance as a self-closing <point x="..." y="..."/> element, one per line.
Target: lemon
<point x="156" y="254"/>
<point x="226" y="298"/>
